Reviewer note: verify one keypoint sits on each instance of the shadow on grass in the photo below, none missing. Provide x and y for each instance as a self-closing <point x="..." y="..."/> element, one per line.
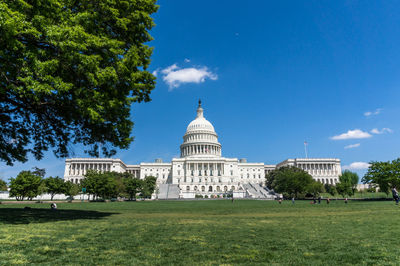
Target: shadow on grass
<point x="36" y="215"/>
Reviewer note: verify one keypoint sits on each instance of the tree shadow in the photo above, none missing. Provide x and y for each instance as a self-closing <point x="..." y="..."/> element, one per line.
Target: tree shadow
<point x="39" y="215"/>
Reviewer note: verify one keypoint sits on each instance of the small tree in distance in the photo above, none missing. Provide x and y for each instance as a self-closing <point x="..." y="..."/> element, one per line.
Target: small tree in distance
<point x="3" y="185"/>
<point x="25" y="185"/>
<point x="71" y="189"/>
<point x="133" y="187"/>
<point x="54" y="185"/>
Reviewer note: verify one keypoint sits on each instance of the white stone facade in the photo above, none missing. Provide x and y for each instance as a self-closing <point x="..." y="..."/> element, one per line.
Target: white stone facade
<point x="201" y="169"/>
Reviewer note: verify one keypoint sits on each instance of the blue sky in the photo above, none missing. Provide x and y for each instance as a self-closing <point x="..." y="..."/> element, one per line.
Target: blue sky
<point x="271" y="74"/>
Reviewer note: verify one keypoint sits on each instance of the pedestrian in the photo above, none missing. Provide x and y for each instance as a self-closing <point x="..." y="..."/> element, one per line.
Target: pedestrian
<point x="328" y="200"/>
<point x="345" y="200"/>
<point x="53" y="206"/>
<point x="319" y="200"/>
<point x="395" y="195"/>
<point x="280" y="201"/>
<point x="293" y="200"/>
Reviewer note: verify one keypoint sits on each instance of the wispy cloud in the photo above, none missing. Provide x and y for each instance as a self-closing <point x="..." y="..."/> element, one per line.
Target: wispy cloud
<point x="383" y="130"/>
<point x="352" y="146"/>
<point x="187" y="60"/>
<point x="175" y="76"/>
<point x="356" y="166"/>
<point x="352" y="134"/>
<point x="370" y="113"/>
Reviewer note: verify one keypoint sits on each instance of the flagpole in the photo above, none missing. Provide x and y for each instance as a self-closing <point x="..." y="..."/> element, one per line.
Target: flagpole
<point x="305" y="148"/>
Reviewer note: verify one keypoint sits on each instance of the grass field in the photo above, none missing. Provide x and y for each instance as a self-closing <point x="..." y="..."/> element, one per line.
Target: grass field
<point x="201" y="232"/>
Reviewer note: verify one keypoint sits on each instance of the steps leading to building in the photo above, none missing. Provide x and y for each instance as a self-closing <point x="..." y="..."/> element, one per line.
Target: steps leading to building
<point x="168" y="191"/>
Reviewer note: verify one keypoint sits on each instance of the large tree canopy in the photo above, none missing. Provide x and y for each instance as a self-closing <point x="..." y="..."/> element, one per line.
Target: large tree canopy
<point x="69" y="72"/>
<point x="384" y="174"/>
<point x="293" y="181"/>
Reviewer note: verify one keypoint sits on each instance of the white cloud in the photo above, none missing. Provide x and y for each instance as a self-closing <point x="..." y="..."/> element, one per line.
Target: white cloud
<point x="352" y="134"/>
<point x="169" y="69"/>
<point x="187" y="60"/>
<point x="352" y="146"/>
<point x="155" y="73"/>
<point x="383" y="130"/>
<point x="357" y="166"/>
<point x="175" y="76"/>
<point x="376" y="112"/>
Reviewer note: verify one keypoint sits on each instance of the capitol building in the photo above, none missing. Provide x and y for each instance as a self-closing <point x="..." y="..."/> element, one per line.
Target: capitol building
<point x="202" y="170"/>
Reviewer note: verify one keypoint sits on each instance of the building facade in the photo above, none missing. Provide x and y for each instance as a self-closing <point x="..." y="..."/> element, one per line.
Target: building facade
<point x="201" y="168"/>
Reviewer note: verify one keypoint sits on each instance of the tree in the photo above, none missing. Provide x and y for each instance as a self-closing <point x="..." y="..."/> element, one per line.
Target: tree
<point x="39" y="171"/>
<point x="315" y="188"/>
<point x="54" y="185"/>
<point x="351" y="178"/>
<point x="345" y="185"/>
<point x="69" y="73"/>
<point x="148" y="186"/>
<point x="385" y="174"/>
<point x="101" y="185"/>
<point x="71" y="189"/>
<point x="331" y="189"/>
<point x="133" y="186"/>
<point x="291" y="180"/>
<point x="25" y="185"/>
<point x="3" y="185"/>
<point x="270" y="177"/>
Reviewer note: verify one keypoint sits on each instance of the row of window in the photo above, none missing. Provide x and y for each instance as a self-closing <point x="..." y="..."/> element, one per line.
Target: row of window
<point x="210" y="188"/>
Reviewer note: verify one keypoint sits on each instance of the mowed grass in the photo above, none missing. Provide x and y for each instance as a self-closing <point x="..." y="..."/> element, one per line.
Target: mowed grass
<point x="201" y="233"/>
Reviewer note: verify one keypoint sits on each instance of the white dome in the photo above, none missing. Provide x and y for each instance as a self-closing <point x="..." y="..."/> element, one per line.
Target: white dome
<point x="200" y="138"/>
<point x="200" y="123"/>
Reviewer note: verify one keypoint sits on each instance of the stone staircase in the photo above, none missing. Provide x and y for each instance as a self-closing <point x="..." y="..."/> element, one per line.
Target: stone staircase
<point x="168" y="191"/>
<point x="256" y="191"/>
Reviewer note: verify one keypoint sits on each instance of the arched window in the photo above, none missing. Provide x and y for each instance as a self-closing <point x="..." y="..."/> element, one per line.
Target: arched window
<point x="195" y="188"/>
<point x="210" y="189"/>
<point x="187" y="188"/>
<point x="233" y="187"/>
<point x="203" y="188"/>
<point x="225" y="188"/>
<point x="218" y="189"/>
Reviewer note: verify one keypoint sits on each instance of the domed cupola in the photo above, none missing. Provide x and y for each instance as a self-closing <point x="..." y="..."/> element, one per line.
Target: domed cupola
<point x="200" y="138"/>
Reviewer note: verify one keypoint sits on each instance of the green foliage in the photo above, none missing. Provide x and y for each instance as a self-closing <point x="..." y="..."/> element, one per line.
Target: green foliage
<point x="293" y="181"/>
<point x="69" y="72"/>
<point x="148" y="186"/>
<point x="3" y="185"/>
<point x="39" y="171"/>
<point x="350" y="178"/>
<point x="385" y="174"/>
<point x="101" y="185"/>
<point x="331" y="189"/>
<point x="71" y="189"/>
<point x="344" y="187"/>
<point x="54" y="185"/>
<point x="111" y="185"/>
<point x="26" y="185"/>
<point x="133" y="187"/>
<point x="315" y="188"/>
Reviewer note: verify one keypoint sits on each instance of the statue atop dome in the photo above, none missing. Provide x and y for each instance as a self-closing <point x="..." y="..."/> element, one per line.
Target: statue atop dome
<point x="199" y="110"/>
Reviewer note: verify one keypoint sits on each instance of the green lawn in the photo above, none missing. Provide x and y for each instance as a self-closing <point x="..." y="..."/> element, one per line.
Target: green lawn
<point x="201" y="233"/>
